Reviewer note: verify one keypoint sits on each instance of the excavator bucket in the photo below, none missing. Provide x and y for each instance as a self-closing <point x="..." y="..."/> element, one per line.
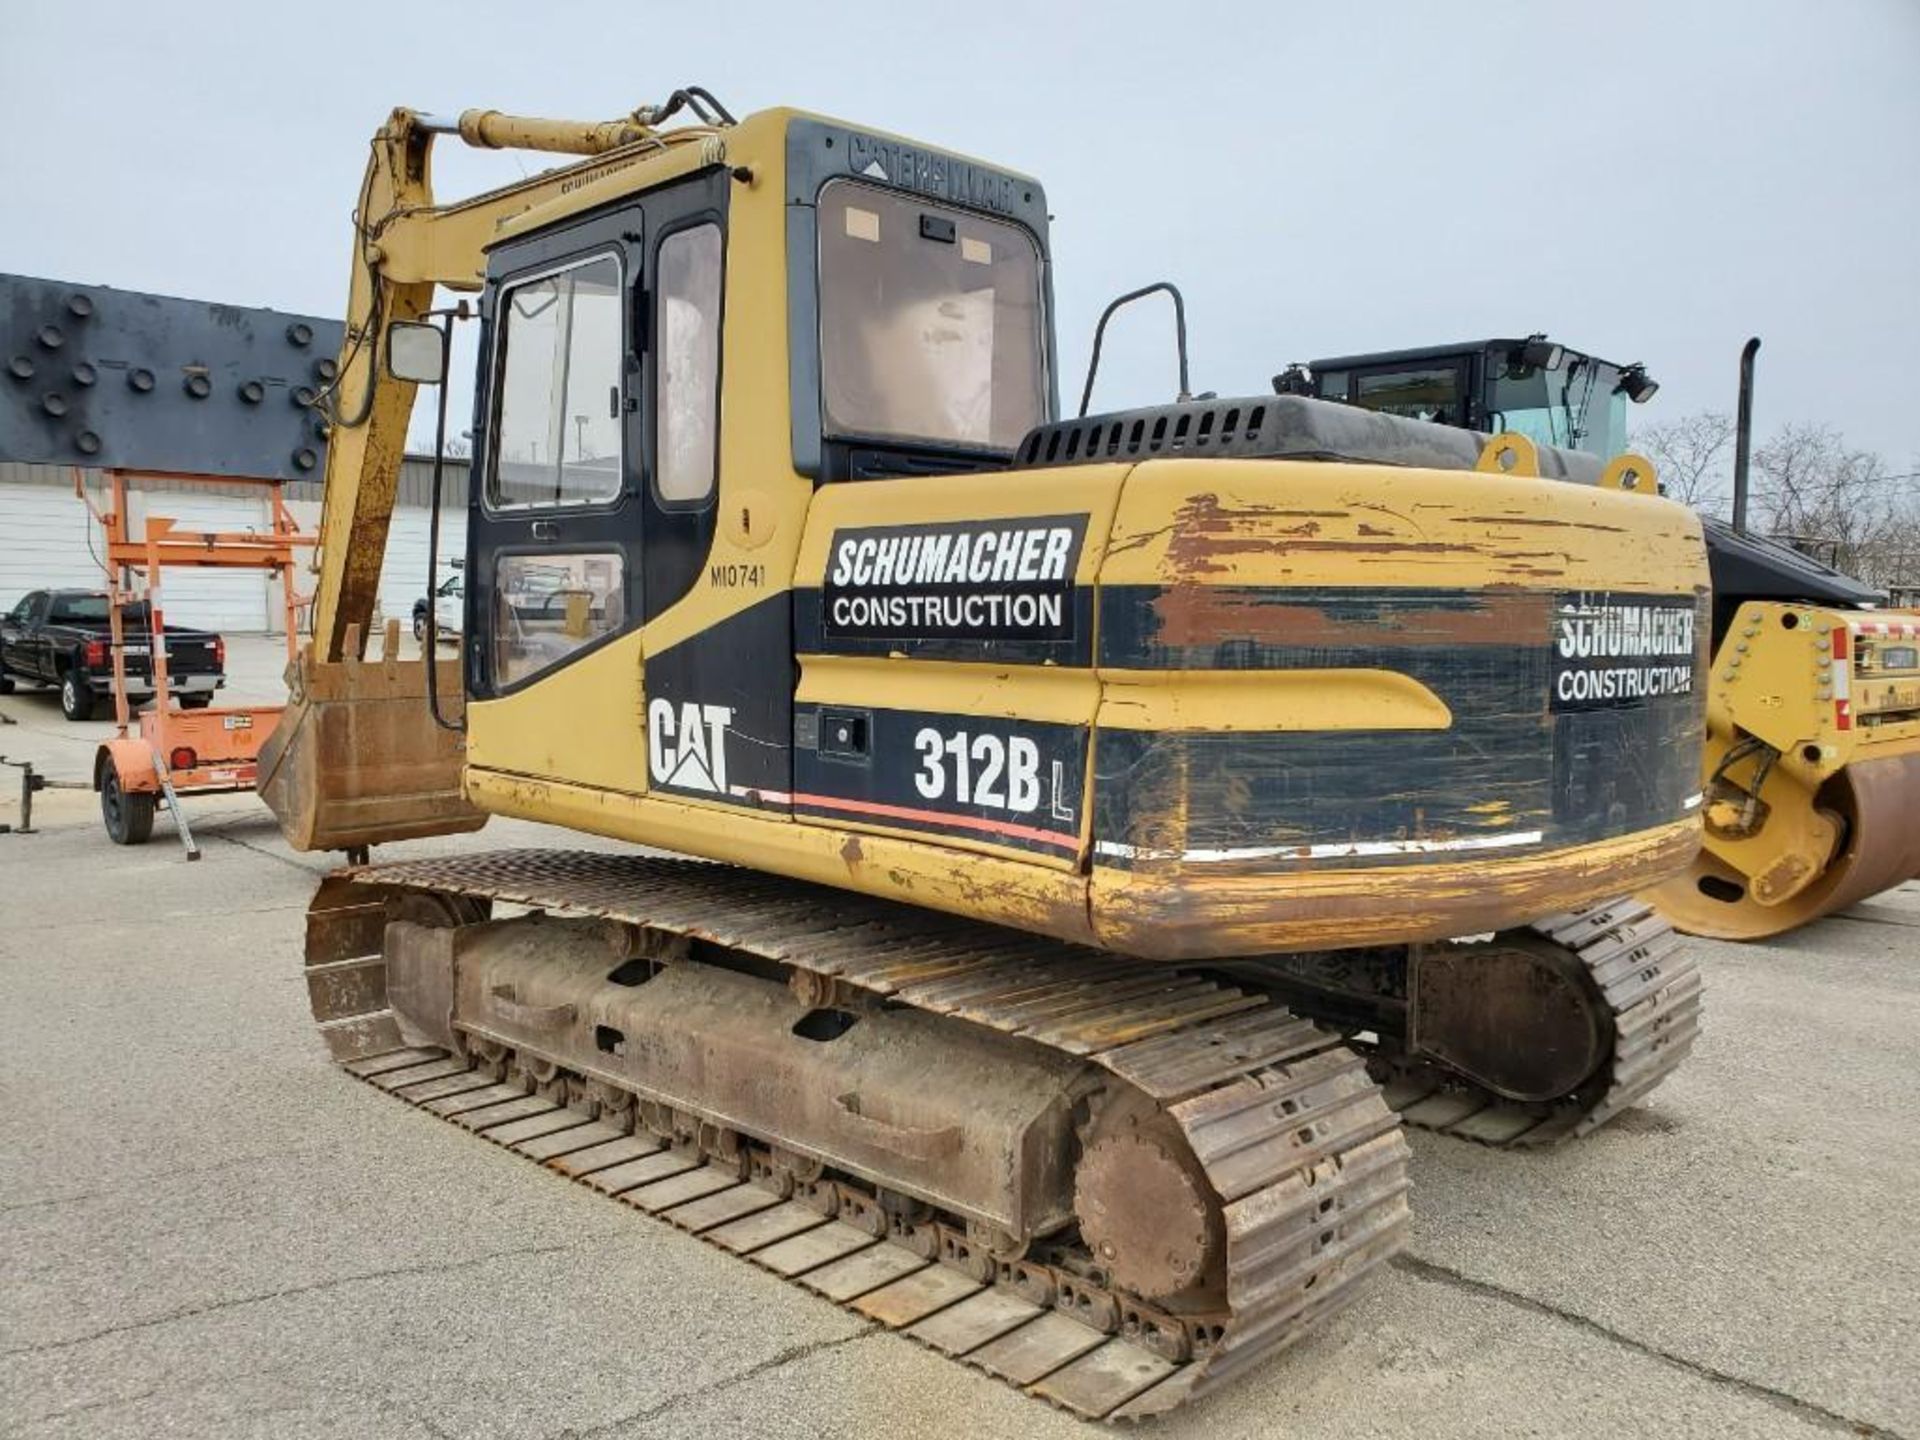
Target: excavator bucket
<point x="358" y="759"/>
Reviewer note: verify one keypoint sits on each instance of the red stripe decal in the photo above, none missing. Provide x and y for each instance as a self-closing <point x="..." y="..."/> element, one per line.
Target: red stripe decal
<point x="1842" y="715"/>
<point x="1839" y="642"/>
<point x="941" y="817"/>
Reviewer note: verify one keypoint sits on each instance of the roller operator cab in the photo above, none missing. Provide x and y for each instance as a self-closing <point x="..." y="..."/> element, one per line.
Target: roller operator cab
<point x="1534" y="387"/>
<point x="778" y="555"/>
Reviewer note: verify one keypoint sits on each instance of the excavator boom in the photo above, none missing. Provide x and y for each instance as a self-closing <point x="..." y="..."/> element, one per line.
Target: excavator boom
<point x="359" y="759"/>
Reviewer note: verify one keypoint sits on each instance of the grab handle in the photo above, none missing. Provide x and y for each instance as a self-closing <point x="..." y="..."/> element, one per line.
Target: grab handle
<point x="508" y="1009"/>
<point x="903" y="1140"/>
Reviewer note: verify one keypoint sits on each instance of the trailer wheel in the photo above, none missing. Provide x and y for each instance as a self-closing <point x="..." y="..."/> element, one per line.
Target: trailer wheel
<point x="129" y="814"/>
<point x="76" y="696"/>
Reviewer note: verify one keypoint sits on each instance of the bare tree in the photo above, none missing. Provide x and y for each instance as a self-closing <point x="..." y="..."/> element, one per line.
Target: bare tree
<point x="1814" y="490"/>
<point x="1809" y="487"/>
<point x="1693" y="456"/>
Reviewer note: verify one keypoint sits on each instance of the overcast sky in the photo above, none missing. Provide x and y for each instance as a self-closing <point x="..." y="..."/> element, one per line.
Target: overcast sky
<point x="1650" y="181"/>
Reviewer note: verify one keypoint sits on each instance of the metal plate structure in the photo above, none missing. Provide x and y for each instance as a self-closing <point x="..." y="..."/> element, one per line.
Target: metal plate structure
<point x="1874" y="801"/>
<point x="118" y="379"/>
<point x="1305" y="1164"/>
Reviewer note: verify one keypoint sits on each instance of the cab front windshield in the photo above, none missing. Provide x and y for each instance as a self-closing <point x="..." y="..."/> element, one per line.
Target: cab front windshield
<point x="931" y="322"/>
<point x="1578" y="406"/>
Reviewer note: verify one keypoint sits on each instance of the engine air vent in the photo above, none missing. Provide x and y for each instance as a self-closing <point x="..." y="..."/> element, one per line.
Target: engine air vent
<point x="1280" y="427"/>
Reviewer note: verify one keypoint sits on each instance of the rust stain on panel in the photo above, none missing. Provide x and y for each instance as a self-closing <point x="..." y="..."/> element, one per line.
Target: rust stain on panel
<point x="1196" y="614"/>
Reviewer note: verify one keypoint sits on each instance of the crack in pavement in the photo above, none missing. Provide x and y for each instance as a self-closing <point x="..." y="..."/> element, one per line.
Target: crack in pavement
<point x="1807" y="1410"/>
<point x="134" y="1182"/>
<point x="72" y="925"/>
<point x="189" y="1312"/>
<point x="1900" y="922"/>
<point x="773" y="1362"/>
<point x="218" y="834"/>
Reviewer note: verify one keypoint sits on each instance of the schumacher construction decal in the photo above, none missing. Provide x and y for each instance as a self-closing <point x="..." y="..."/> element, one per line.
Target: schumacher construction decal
<point x="1613" y="650"/>
<point x="961" y="580"/>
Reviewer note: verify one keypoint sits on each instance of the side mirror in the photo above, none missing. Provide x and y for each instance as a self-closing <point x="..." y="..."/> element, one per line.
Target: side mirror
<point x="416" y="352"/>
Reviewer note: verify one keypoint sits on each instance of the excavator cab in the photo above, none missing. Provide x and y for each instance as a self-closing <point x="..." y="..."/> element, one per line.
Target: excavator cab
<point x="594" y="509"/>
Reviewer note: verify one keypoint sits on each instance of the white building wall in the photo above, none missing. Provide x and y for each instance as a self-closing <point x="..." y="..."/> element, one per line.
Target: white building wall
<point x="45" y="534"/>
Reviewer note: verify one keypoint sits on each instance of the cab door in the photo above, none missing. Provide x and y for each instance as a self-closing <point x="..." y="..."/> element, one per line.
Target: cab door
<point x="28" y="650"/>
<point x="593" y="503"/>
<point x="554" y="532"/>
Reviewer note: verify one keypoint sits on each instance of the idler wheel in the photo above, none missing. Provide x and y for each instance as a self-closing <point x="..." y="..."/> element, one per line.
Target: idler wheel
<point x="1148" y="1215"/>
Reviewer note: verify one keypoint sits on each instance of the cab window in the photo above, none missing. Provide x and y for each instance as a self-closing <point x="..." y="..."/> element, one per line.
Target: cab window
<point x="558" y="437"/>
<point x="687" y="395"/>
<point x="932" y="323"/>
<point x="547" y="605"/>
<point x="79" y="610"/>
<point x="1422" y="392"/>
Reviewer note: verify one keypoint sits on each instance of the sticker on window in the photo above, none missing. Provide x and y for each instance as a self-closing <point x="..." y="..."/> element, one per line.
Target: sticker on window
<point x="863" y="224"/>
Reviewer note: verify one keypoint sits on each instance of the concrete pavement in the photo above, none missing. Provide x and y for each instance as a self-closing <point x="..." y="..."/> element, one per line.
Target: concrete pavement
<point x="207" y="1230"/>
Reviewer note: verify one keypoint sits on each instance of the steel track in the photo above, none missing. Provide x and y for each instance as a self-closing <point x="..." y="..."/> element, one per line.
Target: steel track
<point x="1652" y="987"/>
<point x="1306" y="1162"/>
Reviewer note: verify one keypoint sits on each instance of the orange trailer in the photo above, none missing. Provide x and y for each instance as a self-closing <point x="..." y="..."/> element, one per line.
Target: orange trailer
<point x="164" y="753"/>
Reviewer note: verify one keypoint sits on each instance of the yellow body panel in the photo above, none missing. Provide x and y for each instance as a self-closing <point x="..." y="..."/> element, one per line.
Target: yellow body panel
<point x="1265" y="522"/>
<point x="1051" y="694"/>
<point x="1596" y="541"/>
<point x="1229" y="700"/>
<point x="587" y="721"/>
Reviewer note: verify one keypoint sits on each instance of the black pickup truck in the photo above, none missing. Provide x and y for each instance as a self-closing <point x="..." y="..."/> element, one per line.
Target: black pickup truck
<point x="64" y="638"/>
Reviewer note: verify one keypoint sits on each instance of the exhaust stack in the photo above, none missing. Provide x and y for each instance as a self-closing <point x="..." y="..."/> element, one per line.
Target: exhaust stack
<point x="1743" y="435"/>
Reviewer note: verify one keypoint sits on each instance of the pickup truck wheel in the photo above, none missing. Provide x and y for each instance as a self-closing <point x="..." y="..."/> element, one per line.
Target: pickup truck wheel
<point x="129" y="814"/>
<point x="420" y="627"/>
<point x="76" y="696"/>
<point x="6" y="685"/>
<point x="196" y="701"/>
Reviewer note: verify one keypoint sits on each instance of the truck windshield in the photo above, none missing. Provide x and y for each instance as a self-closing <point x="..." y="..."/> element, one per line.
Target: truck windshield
<point x="1577" y="406"/>
<point x="931" y="322"/>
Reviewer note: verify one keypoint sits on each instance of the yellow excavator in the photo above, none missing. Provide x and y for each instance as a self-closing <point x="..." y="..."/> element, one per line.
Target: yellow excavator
<point x="1811" y="772"/>
<point x="1104" y="829"/>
